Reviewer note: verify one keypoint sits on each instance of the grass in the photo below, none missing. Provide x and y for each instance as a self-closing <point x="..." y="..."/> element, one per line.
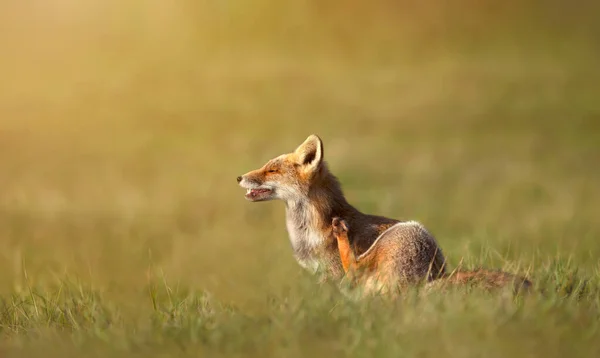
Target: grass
<point x="123" y="126"/>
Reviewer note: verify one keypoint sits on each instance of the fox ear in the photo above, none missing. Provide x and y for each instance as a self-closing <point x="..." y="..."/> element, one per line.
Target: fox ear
<point x="310" y="153"/>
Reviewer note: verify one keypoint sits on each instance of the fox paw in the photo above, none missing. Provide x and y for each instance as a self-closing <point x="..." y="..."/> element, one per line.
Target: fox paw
<point x="339" y="225"/>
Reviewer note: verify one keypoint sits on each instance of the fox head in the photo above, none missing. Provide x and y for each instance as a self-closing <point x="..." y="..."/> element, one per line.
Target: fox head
<point x="287" y="176"/>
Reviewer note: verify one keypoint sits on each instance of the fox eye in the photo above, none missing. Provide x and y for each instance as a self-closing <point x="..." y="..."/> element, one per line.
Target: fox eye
<point x="272" y="171"/>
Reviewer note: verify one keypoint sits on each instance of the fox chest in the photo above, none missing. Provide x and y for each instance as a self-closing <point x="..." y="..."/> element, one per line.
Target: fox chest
<point x="309" y="245"/>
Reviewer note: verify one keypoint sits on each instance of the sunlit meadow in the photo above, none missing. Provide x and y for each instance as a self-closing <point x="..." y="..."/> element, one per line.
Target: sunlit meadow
<point x="123" y="125"/>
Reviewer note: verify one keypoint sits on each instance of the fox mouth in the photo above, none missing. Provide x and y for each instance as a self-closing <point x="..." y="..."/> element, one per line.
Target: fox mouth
<point x="258" y="194"/>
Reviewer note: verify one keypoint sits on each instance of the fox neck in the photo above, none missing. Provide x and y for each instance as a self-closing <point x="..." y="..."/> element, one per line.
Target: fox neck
<point x="308" y="219"/>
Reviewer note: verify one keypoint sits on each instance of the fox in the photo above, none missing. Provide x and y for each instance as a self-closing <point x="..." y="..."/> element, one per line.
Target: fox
<point x="399" y="252"/>
<point x="313" y="196"/>
<point x="375" y="270"/>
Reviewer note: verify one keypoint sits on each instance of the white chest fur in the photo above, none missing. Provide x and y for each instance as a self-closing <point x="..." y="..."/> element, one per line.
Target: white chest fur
<point x="305" y="238"/>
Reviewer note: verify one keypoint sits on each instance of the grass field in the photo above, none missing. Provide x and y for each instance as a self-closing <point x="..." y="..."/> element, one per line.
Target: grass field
<point x="124" y="124"/>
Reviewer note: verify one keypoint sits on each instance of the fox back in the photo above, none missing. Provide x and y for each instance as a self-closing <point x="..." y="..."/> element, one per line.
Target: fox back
<point x="402" y="255"/>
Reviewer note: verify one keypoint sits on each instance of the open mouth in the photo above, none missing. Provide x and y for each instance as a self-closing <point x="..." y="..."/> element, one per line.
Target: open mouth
<point x="258" y="194"/>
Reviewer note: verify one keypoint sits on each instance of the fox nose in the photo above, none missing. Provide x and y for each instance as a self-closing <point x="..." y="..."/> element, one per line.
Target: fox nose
<point x="239" y="179"/>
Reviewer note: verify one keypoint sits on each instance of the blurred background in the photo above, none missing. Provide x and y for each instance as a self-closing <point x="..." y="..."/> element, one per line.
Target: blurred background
<point x="123" y="125"/>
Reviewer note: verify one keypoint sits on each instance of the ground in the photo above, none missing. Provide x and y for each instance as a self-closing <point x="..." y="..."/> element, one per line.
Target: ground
<point x="124" y="125"/>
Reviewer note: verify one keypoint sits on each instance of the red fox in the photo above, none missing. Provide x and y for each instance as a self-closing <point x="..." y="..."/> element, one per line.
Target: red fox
<point x="313" y="197"/>
<point x="376" y="270"/>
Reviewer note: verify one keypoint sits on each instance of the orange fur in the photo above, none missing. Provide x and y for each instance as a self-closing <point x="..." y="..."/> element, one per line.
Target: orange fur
<point x="487" y="279"/>
<point x="346" y="255"/>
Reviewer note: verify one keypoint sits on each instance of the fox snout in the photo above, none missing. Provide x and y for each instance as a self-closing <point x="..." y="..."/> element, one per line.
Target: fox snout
<point x="249" y="181"/>
<point x="256" y="190"/>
